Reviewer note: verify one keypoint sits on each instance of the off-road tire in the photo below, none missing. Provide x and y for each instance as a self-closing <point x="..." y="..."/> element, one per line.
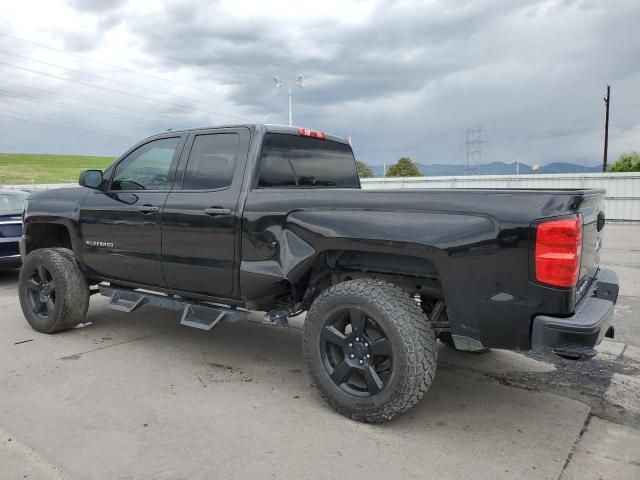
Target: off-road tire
<point x="71" y="290"/>
<point x="413" y="343"/>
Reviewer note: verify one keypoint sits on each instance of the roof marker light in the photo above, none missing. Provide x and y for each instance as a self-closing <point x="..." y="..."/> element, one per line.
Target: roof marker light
<point x="306" y="132"/>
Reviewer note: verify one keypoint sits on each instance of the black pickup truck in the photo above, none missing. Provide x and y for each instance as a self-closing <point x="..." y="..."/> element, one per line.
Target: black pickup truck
<point x="217" y="222"/>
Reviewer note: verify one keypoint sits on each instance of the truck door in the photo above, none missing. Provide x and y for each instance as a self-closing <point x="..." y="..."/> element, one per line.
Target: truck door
<point x="120" y="226"/>
<point x="201" y="217"/>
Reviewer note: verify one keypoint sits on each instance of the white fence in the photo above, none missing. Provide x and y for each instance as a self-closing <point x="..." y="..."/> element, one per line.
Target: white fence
<point x="30" y="187"/>
<point x="622" y="201"/>
<point x="622" y="198"/>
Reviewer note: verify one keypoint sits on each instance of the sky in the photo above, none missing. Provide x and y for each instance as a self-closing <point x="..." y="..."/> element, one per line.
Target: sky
<point x="401" y="78"/>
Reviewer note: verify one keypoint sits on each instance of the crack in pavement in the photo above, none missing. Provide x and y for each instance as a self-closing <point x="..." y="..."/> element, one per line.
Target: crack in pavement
<point x="574" y="447"/>
<point x="9" y="444"/>
<point x="76" y="356"/>
<point x="586" y="382"/>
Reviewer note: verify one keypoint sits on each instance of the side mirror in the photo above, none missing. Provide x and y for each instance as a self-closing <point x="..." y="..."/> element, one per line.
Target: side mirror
<point x="90" y="179"/>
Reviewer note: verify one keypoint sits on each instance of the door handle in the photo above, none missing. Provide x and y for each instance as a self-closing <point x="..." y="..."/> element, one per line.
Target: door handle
<point x="147" y="209"/>
<point x="217" y="211"/>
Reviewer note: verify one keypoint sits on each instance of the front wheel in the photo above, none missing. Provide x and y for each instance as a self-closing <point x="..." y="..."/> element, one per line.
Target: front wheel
<point x="369" y="349"/>
<point x="54" y="295"/>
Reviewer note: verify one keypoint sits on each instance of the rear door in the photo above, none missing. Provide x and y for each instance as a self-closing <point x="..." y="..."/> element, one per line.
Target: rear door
<point x="201" y="215"/>
<point x="120" y="227"/>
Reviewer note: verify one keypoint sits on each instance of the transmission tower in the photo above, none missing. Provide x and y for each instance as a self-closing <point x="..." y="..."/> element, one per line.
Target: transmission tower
<point x="474" y="142"/>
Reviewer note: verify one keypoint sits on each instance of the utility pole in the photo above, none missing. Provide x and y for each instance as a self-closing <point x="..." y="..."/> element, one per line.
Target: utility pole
<point x="299" y="82"/>
<point x="606" y="129"/>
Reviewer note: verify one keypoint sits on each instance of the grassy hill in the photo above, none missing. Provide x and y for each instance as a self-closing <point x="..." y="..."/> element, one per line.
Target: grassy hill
<point x="19" y="168"/>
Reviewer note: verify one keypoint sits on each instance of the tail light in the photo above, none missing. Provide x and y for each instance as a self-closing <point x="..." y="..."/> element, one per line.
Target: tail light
<point x="305" y="132"/>
<point x="557" y="251"/>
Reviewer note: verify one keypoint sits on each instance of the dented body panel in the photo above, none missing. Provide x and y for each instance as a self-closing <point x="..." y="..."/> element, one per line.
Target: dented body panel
<point x="479" y="258"/>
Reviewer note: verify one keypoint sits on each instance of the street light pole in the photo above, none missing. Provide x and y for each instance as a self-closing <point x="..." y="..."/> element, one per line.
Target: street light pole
<point x="299" y="82"/>
<point x="290" y="111"/>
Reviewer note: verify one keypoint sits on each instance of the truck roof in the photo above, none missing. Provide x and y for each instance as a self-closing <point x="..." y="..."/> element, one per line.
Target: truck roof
<point x="267" y="127"/>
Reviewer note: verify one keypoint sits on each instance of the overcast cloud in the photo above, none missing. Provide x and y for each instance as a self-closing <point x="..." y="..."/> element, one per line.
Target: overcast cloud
<point x="399" y="77"/>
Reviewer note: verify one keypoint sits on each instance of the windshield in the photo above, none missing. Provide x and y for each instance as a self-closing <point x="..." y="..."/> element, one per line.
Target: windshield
<point x="12" y="202"/>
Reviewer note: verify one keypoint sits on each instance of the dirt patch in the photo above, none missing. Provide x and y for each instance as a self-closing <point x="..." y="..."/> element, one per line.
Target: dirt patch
<point x="212" y="372"/>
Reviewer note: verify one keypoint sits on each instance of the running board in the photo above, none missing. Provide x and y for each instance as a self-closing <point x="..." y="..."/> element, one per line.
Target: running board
<point x="195" y="314"/>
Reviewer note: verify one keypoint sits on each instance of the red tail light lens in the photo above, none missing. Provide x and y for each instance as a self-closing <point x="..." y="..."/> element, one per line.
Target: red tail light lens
<point x="305" y="132"/>
<point x="557" y="252"/>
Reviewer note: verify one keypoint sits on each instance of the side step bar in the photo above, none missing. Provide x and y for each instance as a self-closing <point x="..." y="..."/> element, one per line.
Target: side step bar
<point x="195" y="314"/>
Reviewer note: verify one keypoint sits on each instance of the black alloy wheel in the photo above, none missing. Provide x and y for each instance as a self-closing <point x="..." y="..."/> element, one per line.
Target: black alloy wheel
<point x="41" y="292"/>
<point x="356" y="353"/>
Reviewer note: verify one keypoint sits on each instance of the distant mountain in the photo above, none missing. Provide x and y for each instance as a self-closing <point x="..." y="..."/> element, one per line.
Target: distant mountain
<point x="564" y="167"/>
<point x="494" y="168"/>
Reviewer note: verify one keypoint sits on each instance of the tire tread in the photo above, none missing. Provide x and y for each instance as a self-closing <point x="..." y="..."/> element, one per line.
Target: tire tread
<point x="75" y="299"/>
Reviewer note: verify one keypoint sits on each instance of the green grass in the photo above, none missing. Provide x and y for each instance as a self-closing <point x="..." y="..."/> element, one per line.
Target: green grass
<point x="20" y="168"/>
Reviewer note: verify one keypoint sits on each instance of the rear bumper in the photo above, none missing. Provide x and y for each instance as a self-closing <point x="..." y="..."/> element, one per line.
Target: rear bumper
<point x="576" y="336"/>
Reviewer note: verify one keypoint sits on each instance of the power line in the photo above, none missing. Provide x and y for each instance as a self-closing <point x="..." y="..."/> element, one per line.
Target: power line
<point x="94" y="102"/>
<point x="62" y="127"/>
<point x="113" y="90"/>
<point x="109" y="79"/>
<point x="125" y="69"/>
<point x="38" y="117"/>
<point x="86" y="109"/>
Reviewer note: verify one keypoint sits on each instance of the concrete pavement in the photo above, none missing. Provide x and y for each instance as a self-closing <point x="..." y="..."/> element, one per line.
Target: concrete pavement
<point x="139" y="397"/>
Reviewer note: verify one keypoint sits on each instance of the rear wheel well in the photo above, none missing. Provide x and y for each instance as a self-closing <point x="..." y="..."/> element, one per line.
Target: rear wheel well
<point x="417" y="276"/>
<point x="47" y="235"/>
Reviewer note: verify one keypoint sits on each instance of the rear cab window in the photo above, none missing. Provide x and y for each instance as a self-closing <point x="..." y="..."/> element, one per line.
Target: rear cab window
<point x="290" y="161"/>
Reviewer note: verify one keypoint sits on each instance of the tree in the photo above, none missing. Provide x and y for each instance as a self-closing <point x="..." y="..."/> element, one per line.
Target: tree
<point x="627" y="162"/>
<point x="403" y="168"/>
<point x="364" y="170"/>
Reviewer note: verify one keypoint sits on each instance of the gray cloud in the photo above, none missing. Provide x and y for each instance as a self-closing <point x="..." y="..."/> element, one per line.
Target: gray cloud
<point x="408" y="79"/>
<point x="95" y="5"/>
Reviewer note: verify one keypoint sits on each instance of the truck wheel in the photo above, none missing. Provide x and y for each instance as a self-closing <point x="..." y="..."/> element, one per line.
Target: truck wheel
<point x="369" y="349"/>
<point x="54" y="295"/>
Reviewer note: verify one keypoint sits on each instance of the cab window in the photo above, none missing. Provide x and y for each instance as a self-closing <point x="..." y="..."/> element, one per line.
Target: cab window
<point x="211" y="161"/>
<point x="147" y="167"/>
<point x="290" y="161"/>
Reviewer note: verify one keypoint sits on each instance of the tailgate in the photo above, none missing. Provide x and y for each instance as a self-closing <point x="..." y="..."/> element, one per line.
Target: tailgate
<point x="593" y="219"/>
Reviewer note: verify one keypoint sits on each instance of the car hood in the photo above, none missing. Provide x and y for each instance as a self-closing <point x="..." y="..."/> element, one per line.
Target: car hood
<point x="69" y="193"/>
